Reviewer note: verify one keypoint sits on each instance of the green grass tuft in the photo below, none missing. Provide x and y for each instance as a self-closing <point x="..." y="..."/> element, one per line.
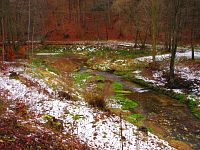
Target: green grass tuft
<point x="41" y="63"/>
<point x="100" y="78"/>
<point x="81" y="77"/>
<point x="134" y="118"/>
<point x="117" y="86"/>
<point x="126" y="103"/>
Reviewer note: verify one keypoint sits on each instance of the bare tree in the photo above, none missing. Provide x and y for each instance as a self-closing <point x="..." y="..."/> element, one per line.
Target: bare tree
<point x="3" y="39"/>
<point x="174" y="24"/>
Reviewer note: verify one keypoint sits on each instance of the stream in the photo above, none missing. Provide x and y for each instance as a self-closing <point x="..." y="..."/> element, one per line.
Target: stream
<point x="167" y="117"/>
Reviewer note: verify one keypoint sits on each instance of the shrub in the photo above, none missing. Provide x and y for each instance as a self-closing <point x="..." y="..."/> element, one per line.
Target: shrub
<point x="96" y="100"/>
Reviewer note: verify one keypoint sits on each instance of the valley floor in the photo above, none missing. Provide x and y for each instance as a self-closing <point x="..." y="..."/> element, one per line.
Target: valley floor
<point x="59" y="95"/>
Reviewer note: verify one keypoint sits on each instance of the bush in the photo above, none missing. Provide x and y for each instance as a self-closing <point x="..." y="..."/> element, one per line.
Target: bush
<point x="96" y="100"/>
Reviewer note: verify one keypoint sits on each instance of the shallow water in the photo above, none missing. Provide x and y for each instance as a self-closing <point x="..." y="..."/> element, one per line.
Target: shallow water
<point x="166" y="116"/>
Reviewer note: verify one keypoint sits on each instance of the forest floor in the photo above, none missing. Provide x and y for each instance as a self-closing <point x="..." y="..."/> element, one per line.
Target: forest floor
<point x="84" y="97"/>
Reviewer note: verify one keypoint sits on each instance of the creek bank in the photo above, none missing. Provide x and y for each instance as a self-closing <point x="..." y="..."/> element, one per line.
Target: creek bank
<point x="169" y="118"/>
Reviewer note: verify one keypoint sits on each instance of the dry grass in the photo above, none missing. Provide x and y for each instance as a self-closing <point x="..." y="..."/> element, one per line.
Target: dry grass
<point x="67" y="63"/>
<point x="97" y="97"/>
<point x="95" y="100"/>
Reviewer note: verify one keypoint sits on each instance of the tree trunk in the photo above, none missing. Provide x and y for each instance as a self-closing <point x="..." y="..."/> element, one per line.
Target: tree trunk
<point x="33" y="32"/>
<point x="3" y="40"/>
<point x="29" y="22"/>
<point x="172" y="67"/>
<point x="136" y="39"/>
<point x="154" y="28"/>
<point x="192" y="30"/>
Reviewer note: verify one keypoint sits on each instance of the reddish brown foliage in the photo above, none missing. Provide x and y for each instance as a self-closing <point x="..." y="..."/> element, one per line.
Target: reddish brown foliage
<point x="10" y="54"/>
<point x="21" y="52"/>
<point x="13" y="135"/>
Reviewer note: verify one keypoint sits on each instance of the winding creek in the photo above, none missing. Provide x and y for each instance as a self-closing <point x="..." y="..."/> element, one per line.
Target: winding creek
<point x="168" y="118"/>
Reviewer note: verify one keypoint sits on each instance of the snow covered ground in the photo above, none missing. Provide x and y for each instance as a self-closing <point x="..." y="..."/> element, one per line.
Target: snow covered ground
<point x="187" y="54"/>
<point x="47" y="54"/>
<point x="98" y="129"/>
<point x="185" y="72"/>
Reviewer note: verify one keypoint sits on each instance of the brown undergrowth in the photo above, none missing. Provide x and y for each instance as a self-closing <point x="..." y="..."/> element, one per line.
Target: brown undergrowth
<point x="19" y="130"/>
<point x="98" y="95"/>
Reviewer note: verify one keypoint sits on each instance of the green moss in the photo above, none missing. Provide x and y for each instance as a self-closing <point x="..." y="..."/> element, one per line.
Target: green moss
<point x="134" y="118"/>
<point x="52" y="49"/>
<point x="150" y="129"/>
<point x="181" y="97"/>
<point x="194" y="108"/>
<point x="126" y="103"/>
<point x="81" y="77"/>
<point x="41" y="63"/>
<point x="132" y="53"/>
<point x="196" y="112"/>
<point x="100" y="78"/>
<point x="120" y="73"/>
<point x="117" y="86"/>
<point x="100" y="85"/>
<point x="77" y="117"/>
<point x="48" y="118"/>
<point x="123" y="91"/>
<point x="193" y="105"/>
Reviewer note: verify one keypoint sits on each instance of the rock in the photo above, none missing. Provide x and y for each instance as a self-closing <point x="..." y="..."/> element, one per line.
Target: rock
<point x="64" y="95"/>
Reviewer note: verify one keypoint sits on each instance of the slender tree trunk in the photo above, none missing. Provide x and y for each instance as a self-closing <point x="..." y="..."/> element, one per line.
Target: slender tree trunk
<point x="136" y="38"/>
<point x="33" y="32"/>
<point x="143" y="42"/>
<point x="109" y="13"/>
<point x="106" y="22"/>
<point x="192" y="30"/>
<point x="172" y="66"/>
<point x="29" y="21"/>
<point x="192" y="42"/>
<point x="176" y="25"/>
<point x="69" y="10"/>
<point x="3" y="40"/>
<point x="154" y="28"/>
<point x="192" y="45"/>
